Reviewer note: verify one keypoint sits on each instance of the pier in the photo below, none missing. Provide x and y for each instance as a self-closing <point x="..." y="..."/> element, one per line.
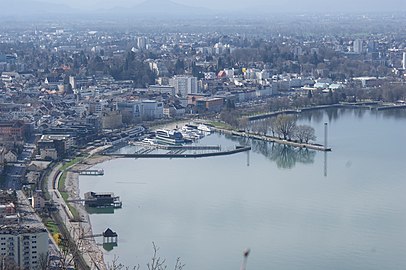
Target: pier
<point x="267" y="138"/>
<point x="108" y="235"/>
<point x="180" y="153"/>
<point x="97" y="199"/>
<point x="177" y="147"/>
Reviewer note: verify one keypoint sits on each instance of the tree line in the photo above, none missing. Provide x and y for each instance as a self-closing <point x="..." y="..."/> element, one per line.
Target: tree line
<point x="285" y="127"/>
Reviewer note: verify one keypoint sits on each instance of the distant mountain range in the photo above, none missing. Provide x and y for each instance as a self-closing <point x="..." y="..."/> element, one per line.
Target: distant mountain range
<point x="159" y="8"/>
<point x="30" y="7"/>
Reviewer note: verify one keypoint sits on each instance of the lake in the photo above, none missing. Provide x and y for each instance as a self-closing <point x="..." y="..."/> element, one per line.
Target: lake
<point x="295" y="209"/>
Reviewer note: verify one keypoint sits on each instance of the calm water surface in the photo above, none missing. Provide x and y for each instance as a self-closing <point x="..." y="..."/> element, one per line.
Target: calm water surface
<point x="284" y="204"/>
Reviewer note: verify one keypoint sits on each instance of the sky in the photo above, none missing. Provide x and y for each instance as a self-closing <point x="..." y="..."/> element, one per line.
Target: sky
<point x="285" y="5"/>
<point x="329" y="6"/>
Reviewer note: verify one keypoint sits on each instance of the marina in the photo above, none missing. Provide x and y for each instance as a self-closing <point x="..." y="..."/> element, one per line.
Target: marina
<point x="171" y="144"/>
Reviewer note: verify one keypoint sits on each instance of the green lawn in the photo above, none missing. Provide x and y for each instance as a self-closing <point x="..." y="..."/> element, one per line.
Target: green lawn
<point x="72" y="162"/>
<point x="221" y="125"/>
<point x="62" y="180"/>
<point x="51" y="226"/>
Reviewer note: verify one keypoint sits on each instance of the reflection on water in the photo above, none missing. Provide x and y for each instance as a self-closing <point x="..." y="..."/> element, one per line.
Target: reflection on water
<point x="333" y="114"/>
<point x="100" y="210"/>
<point x="285" y="156"/>
<point x="109" y="246"/>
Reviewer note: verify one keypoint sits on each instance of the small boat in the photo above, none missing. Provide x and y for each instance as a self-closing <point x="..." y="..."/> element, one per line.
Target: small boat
<point x="148" y="141"/>
<point x="204" y="128"/>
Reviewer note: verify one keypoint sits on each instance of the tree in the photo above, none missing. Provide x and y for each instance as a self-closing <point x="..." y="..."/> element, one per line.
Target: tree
<point x="305" y="133"/>
<point x="272" y="125"/>
<point x="285" y="126"/>
<point x="156" y="263"/>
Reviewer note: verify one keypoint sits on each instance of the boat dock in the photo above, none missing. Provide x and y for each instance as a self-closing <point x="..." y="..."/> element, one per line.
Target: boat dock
<point x="177" y="147"/>
<point x="108" y="235"/>
<point x="97" y="199"/>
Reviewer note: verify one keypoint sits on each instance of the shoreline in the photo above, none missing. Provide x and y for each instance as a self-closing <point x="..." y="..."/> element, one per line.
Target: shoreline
<point x="93" y="252"/>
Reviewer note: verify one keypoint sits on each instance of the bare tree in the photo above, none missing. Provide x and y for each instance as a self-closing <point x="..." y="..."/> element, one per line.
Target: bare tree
<point x="285" y="125"/>
<point x="8" y="263"/>
<point x="156" y="263"/>
<point x="305" y="133"/>
<point x="271" y="122"/>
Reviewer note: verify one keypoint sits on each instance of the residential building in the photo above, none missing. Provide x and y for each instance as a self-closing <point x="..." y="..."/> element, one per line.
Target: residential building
<point x="52" y="146"/>
<point x="358" y="46"/>
<point x="184" y="85"/>
<point x="209" y="104"/>
<point x="10" y="156"/>
<point x="152" y="109"/>
<point x="13" y="129"/>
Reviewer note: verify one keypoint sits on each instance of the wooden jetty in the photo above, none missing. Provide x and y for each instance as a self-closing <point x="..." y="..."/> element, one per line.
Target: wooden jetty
<point x="108" y="235"/>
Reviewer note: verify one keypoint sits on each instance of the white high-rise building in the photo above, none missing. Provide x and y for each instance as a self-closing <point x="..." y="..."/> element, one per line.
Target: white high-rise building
<point x="357" y="46"/>
<point x="23" y="245"/>
<point x="23" y="238"/>
<point x="184" y="85"/>
<point x="404" y="60"/>
<point x="141" y="43"/>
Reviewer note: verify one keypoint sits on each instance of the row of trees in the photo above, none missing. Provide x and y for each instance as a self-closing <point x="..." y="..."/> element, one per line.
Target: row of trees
<point x="285" y="126"/>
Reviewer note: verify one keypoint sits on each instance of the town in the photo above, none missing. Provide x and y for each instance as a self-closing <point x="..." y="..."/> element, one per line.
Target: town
<point x="68" y="91"/>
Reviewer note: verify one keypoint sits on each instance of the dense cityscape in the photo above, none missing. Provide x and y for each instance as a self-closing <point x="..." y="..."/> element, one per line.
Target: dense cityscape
<point x="72" y="89"/>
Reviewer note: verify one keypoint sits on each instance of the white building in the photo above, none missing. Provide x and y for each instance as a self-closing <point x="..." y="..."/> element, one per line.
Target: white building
<point x="262" y="75"/>
<point x="23" y="245"/>
<point x="404" y="61"/>
<point x="145" y="109"/>
<point x="152" y="109"/>
<point x="142" y="43"/>
<point x="229" y="72"/>
<point x="184" y="85"/>
<point x="23" y="238"/>
<point x="357" y="46"/>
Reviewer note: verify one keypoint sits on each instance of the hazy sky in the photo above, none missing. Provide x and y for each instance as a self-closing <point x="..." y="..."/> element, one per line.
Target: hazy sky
<point x="282" y="5"/>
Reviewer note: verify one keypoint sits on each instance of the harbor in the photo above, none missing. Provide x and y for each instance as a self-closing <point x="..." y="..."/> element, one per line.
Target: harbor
<point x="176" y="143"/>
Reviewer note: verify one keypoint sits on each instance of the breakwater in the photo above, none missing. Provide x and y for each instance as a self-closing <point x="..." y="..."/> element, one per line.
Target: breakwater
<point x="238" y="149"/>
